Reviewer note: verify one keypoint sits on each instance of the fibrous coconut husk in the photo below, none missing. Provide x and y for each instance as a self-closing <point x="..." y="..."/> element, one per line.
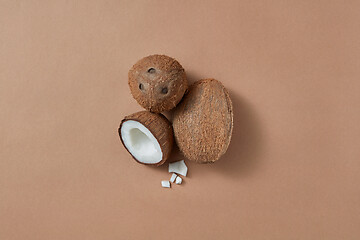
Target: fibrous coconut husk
<point x="203" y="121"/>
<point x="157" y="82"/>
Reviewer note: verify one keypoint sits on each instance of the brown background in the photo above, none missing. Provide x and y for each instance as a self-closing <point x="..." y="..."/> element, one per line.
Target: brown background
<point x="292" y="170"/>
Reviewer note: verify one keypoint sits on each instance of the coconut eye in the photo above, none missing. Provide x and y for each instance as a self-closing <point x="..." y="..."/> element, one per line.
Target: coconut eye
<point x="141" y="86"/>
<point x="164" y="90"/>
<point x="151" y="70"/>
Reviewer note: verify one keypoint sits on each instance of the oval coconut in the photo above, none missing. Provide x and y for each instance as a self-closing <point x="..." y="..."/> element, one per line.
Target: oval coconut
<point x="147" y="136"/>
<point x="157" y="82"/>
<point x="203" y="121"/>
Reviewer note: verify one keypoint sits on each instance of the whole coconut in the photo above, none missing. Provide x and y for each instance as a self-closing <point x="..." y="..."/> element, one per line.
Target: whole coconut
<point x="157" y="82"/>
<point x="203" y="121"/>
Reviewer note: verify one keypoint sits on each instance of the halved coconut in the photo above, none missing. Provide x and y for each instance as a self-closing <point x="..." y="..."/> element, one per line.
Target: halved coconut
<point x="147" y="136"/>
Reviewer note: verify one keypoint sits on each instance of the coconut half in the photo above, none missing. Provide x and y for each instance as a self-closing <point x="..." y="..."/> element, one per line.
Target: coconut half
<point x="147" y="136"/>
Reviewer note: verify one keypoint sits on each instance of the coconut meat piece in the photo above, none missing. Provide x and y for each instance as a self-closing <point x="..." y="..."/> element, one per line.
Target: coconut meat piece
<point x="140" y="142"/>
<point x="178" y="180"/>
<point x="173" y="177"/>
<point x="165" y="184"/>
<point x="178" y="167"/>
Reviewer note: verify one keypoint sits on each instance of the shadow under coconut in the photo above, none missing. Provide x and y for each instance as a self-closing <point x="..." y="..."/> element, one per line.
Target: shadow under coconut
<point x="243" y="154"/>
<point x="192" y="77"/>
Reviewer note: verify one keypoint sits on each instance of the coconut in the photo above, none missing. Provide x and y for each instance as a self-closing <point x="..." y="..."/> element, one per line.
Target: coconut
<point x="203" y="121"/>
<point x="147" y="136"/>
<point x="157" y="82"/>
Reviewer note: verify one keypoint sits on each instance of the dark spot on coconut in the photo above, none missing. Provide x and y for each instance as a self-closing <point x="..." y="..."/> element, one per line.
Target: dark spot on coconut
<point x="141" y="86"/>
<point x="151" y="70"/>
<point x="164" y="90"/>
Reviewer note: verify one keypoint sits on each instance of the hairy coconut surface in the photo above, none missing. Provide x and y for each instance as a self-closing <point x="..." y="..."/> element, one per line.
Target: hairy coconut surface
<point x="203" y="121"/>
<point x="157" y="82"/>
<point x="147" y="136"/>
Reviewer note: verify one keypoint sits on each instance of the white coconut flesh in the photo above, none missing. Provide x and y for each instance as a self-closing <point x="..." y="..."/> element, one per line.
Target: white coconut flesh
<point x="140" y="142"/>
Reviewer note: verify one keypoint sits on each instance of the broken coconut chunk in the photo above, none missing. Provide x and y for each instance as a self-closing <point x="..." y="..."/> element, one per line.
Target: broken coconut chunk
<point x="178" y="180"/>
<point x="165" y="184"/>
<point x="173" y="177"/>
<point x="178" y="167"/>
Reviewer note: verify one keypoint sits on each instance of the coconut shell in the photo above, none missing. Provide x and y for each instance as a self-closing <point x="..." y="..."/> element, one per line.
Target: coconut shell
<point x="157" y="82"/>
<point x="159" y="126"/>
<point x="203" y="121"/>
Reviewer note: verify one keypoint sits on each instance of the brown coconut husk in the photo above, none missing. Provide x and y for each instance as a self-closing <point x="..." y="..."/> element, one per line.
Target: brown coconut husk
<point x="203" y="121"/>
<point x="159" y="126"/>
<point x="156" y="73"/>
